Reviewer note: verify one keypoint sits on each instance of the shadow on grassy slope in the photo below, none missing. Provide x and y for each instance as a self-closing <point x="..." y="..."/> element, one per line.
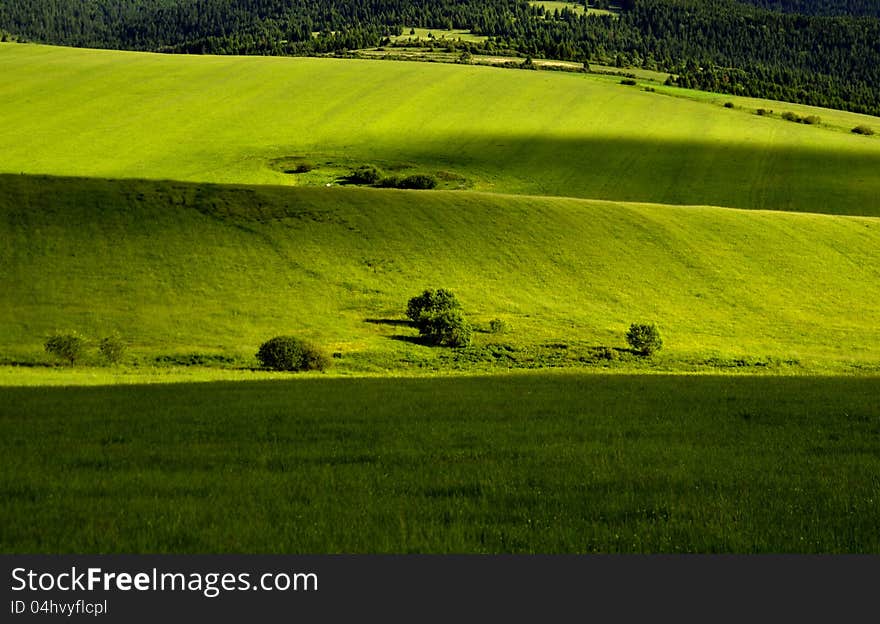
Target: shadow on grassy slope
<point x="697" y="172"/>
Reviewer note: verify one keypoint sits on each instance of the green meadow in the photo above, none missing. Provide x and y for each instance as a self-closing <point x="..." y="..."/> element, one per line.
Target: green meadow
<point x="199" y="205"/>
<point x="219" y="119"/>
<point x="533" y="463"/>
<point x="179" y="268"/>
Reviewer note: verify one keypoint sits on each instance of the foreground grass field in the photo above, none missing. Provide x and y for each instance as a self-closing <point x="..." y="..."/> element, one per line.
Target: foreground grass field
<point x="522" y="463"/>
<point x="180" y="269"/>
<point x="224" y="119"/>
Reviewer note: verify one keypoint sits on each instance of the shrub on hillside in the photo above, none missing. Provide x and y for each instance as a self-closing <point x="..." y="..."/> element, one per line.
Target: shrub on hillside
<point x="288" y="353"/>
<point x="644" y="338"/>
<point x="437" y="314"/>
<point x="629" y="82"/>
<point x="418" y="181"/>
<point x="66" y="346"/>
<point x="429" y="302"/>
<point x="366" y="174"/>
<point x="811" y="120"/>
<point x="446" y="328"/>
<point x="498" y="326"/>
<point x="112" y="348"/>
<point x="763" y="112"/>
<point x="728" y="105"/>
<point x="865" y="130"/>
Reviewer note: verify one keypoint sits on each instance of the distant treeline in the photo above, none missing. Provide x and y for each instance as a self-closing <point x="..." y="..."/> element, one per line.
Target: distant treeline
<point x="822" y="53"/>
<point x="820" y="7"/>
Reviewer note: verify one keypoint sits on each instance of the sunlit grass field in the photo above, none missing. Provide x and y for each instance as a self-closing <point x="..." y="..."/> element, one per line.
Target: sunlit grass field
<point x="180" y="268"/>
<point x="221" y="119"/>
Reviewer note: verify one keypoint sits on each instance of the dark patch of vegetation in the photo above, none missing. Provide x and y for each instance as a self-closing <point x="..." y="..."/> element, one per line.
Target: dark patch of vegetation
<point x="68" y="347"/>
<point x="194" y="359"/>
<point x="810" y="120"/>
<point x="499" y="326"/>
<point x="629" y="82"/>
<point x="418" y="181"/>
<point x="303" y="167"/>
<point x="644" y="338"/>
<point x="728" y="105"/>
<point x="112" y="348"/>
<point x="366" y="174"/>
<point x="863" y="130"/>
<point x="289" y="353"/>
<point x="763" y="112"/>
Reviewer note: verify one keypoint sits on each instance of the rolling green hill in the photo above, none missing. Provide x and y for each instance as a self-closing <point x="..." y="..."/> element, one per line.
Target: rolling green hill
<point x="180" y="268"/>
<point x="232" y="120"/>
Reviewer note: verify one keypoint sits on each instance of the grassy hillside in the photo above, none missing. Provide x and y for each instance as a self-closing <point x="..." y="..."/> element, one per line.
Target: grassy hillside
<point x="232" y="120"/>
<point x="181" y="268"/>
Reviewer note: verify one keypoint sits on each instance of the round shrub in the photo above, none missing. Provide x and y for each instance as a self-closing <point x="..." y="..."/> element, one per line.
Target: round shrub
<point x="430" y="302"/>
<point x="288" y="353"/>
<point x="68" y="347"/>
<point x="644" y="338"/>
<point x="447" y="328"/>
<point x="864" y="130"/>
<point x="366" y="174"/>
<point x="629" y="82"/>
<point x="728" y="105"/>
<point x="112" y="348"/>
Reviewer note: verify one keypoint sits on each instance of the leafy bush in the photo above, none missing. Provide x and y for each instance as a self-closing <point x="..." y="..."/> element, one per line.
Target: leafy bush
<point x="728" y="105"/>
<point x="68" y="347"/>
<point x="430" y="302"/>
<point x="390" y="182"/>
<point x="811" y="120"/>
<point x="865" y="130"/>
<point x="112" y="348"/>
<point x="288" y="353"/>
<point x="629" y="82"/>
<point x="604" y="353"/>
<point x="418" y="181"/>
<point x="644" y="338"/>
<point x="366" y="174"/>
<point x="499" y="326"/>
<point x="446" y="328"/>
<point x="437" y="314"/>
<point x="763" y="111"/>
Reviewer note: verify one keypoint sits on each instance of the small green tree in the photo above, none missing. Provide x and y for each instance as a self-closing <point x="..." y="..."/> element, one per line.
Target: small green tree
<point x="437" y="314"/>
<point x="288" y="353"/>
<point x="429" y="302"/>
<point x="644" y="338"/>
<point x="447" y="328"/>
<point x="112" y="348"/>
<point x="66" y="346"/>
